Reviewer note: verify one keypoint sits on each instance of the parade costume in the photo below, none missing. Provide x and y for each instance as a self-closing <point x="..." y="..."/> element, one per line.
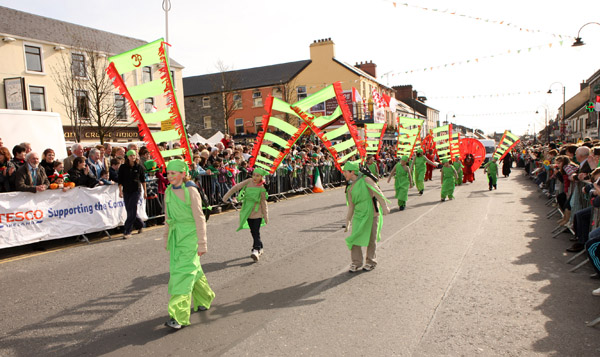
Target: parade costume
<point x="458" y="167"/>
<point x="366" y="217"/>
<point x="186" y="238"/>
<point x="469" y="175"/>
<point x="254" y="212"/>
<point x="492" y="173"/>
<point x="418" y="167"/>
<point x="448" y="181"/>
<point x="373" y="168"/>
<point x="430" y="167"/>
<point x="507" y="164"/>
<point x="403" y="181"/>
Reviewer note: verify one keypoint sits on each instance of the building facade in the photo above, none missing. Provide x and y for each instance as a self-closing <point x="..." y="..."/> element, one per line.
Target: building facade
<point x="51" y="65"/>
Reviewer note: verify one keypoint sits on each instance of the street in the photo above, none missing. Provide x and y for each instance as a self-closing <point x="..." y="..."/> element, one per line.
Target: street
<point x="479" y="275"/>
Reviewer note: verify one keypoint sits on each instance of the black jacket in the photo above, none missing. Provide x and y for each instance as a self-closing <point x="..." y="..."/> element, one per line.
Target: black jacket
<point x="81" y="179"/>
<point x="131" y="177"/>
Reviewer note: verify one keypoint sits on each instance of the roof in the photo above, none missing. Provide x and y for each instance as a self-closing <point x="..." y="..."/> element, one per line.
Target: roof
<point x="360" y="72"/>
<point x="29" y="26"/>
<point x="243" y="78"/>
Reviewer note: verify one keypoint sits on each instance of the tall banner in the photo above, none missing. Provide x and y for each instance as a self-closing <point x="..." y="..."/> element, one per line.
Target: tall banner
<point x="33" y="217"/>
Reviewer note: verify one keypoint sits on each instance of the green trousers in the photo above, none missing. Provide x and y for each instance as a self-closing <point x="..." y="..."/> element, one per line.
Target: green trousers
<point x="179" y="305"/>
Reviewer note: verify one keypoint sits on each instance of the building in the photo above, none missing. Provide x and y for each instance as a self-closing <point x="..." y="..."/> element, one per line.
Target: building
<point x="47" y="66"/>
<point x="407" y="95"/>
<point x="231" y="101"/>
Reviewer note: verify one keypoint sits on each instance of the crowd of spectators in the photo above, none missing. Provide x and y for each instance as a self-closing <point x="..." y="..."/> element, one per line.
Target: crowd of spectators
<point x="569" y="174"/>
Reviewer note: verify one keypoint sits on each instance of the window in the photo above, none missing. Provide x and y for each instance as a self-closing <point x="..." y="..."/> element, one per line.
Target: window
<point x="173" y="78"/>
<point x="146" y="74"/>
<point x="207" y="122"/>
<point x="257" y="99"/>
<point x="37" y="96"/>
<point x="301" y="91"/>
<point x="206" y="102"/>
<point x="237" y="101"/>
<point x="33" y="58"/>
<point x="239" y="126"/>
<point x="277" y="93"/>
<point x="120" y="107"/>
<point x="78" y="64"/>
<point x="83" y="108"/>
<point x="149" y="105"/>
<point x="258" y="123"/>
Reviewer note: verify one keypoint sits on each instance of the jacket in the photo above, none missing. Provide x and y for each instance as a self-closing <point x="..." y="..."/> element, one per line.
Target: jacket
<point x="24" y="181"/>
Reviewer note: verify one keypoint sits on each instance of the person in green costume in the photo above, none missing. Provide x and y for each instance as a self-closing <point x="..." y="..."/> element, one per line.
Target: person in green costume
<point x="186" y="242"/>
<point x="372" y="166"/>
<point x="254" y="212"/>
<point x="458" y="166"/>
<point x="448" y="179"/>
<point x="419" y="167"/>
<point x="403" y="181"/>
<point x="366" y="204"/>
<point x="492" y="172"/>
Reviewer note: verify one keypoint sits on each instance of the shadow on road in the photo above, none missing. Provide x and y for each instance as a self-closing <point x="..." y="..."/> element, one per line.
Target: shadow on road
<point x="63" y="334"/>
<point x="212" y="267"/>
<point x="568" y="304"/>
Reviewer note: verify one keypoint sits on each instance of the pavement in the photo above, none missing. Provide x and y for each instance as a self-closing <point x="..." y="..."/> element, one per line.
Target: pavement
<point x="478" y="275"/>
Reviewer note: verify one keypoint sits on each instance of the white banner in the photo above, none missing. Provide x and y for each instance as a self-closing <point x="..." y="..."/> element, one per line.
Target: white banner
<point x="32" y="217"/>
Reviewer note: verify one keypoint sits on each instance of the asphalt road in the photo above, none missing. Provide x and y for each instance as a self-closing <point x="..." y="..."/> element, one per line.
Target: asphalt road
<point x="479" y="275"/>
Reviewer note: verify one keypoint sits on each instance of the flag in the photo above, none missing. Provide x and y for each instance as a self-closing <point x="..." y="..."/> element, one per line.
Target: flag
<point x="597" y="105"/>
<point x="356" y="98"/>
<point x="378" y="99"/>
<point x="391" y="102"/>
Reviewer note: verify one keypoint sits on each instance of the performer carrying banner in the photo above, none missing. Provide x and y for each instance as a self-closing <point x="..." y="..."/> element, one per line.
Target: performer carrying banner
<point x="492" y="172"/>
<point x="403" y="181"/>
<point x="254" y="212"/>
<point x="469" y="175"/>
<point x="449" y="177"/>
<point x="458" y="167"/>
<point x="362" y="195"/>
<point x="429" y="173"/>
<point x="418" y="166"/>
<point x="186" y="242"/>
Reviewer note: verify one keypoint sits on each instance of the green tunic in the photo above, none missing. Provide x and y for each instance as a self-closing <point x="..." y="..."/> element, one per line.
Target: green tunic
<point x="182" y="244"/>
<point x="250" y="196"/>
<point x="419" y="171"/>
<point x="373" y="169"/>
<point x="492" y="172"/>
<point x="362" y="219"/>
<point x="458" y="167"/>
<point x="401" y="183"/>
<point x="448" y="184"/>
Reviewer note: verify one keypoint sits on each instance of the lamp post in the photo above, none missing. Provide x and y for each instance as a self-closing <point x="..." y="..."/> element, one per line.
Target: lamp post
<point x="578" y="41"/>
<point x="545" y="122"/>
<point x="562" y="121"/>
<point x="453" y="116"/>
<point x="166" y="6"/>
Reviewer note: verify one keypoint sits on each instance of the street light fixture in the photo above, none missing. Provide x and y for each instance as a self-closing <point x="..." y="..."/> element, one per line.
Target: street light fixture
<point x="578" y="41"/>
<point x="562" y="121"/>
<point x="545" y="122"/>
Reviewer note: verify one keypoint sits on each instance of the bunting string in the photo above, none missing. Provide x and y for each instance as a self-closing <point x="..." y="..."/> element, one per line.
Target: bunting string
<point x="496" y="95"/>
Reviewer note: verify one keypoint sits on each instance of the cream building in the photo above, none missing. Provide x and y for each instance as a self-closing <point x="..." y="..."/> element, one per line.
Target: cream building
<point x="33" y="54"/>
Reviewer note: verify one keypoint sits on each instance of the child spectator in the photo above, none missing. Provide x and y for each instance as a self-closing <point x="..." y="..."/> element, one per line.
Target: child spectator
<point x="104" y="178"/>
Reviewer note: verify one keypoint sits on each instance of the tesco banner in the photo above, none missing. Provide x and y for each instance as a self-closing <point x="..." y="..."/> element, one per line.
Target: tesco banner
<point x="32" y="217"/>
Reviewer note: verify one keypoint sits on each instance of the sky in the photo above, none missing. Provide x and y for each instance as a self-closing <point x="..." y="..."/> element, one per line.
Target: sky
<point x="489" y="93"/>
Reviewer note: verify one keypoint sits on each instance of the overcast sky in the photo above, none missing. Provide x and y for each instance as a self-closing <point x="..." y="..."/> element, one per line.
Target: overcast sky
<point x="245" y="34"/>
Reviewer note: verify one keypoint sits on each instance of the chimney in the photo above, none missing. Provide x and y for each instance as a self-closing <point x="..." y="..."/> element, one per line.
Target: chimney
<point x="322" y="50"/>
<point x="404" y="93"/>
<point x="369" y="67"/>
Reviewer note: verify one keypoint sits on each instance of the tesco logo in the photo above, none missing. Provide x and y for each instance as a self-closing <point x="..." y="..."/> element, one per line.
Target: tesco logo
<point x="21" y="216"/>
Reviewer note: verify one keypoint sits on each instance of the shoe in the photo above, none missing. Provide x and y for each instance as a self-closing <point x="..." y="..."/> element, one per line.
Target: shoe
<point x="200" y="308"/>
<point x="369" y="267"/>
<point x="576" y="248"/>
<point x="443" y="199"/>
<point x="596" y="292"/>
<point x="490" y="188"/>
<point x="401" y="208"/>
<point x="495" y="187"/>
<point x="421" y="192"/>
<point x="172" y="323"/>
<point x="573" y="239"/>
<point x="353" y="268"/>
<point x="140" y="230"/>
<point x="126" y="236"/>
<point x="594" y="276"/>
<point x="255" y="255"/>
<point x="450" y="198"/>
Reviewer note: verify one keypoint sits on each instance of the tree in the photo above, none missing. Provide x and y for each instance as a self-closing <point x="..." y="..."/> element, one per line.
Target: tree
<point x="288" y="93"/>
<point x="226" y="84"/>
<point x="87" y="94"/>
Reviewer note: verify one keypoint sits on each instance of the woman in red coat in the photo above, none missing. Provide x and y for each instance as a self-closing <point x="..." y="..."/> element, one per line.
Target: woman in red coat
<point x="468" y="174"/>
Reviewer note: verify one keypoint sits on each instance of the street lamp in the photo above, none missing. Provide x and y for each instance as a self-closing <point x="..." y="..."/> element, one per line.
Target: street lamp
<point x="453" y="116"/>
<point x="578" y="41"/>
<point x="562" y="121"/>
<point x="545" y="122"/>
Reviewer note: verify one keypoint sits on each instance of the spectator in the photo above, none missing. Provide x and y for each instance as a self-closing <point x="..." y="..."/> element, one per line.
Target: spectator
<point x="104" y="178"/>
<point x="144" y="155"/>
<point x="132" y="146"/>
<point x="31" y="177"/>
<point x="4" y="160"/>
<point x="93" y="163"/>
<point x="15" y="163"/>
<point x="1" y="143"/>
<point x="113" y="172"/>
<point x="102" y="159"/>
<point x="107" y="151"/>
<point x="47" y="163"/>
<point x="131" y="177"/>
<point x="80" y="174"/>
<point x="227" y="141"/>
<point x="76" y="151"/>
<point x="120" y="154"/>
<point x="27" y="147"/>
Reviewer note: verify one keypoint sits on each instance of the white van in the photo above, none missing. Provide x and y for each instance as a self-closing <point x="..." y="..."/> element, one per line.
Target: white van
<point x="490" y="147"/>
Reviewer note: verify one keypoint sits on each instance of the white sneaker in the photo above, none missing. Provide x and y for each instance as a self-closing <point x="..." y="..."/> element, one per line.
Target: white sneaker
<point x="354" y="268"/>
<point x="255" y="255"/>
<point x="596" y="292"/>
